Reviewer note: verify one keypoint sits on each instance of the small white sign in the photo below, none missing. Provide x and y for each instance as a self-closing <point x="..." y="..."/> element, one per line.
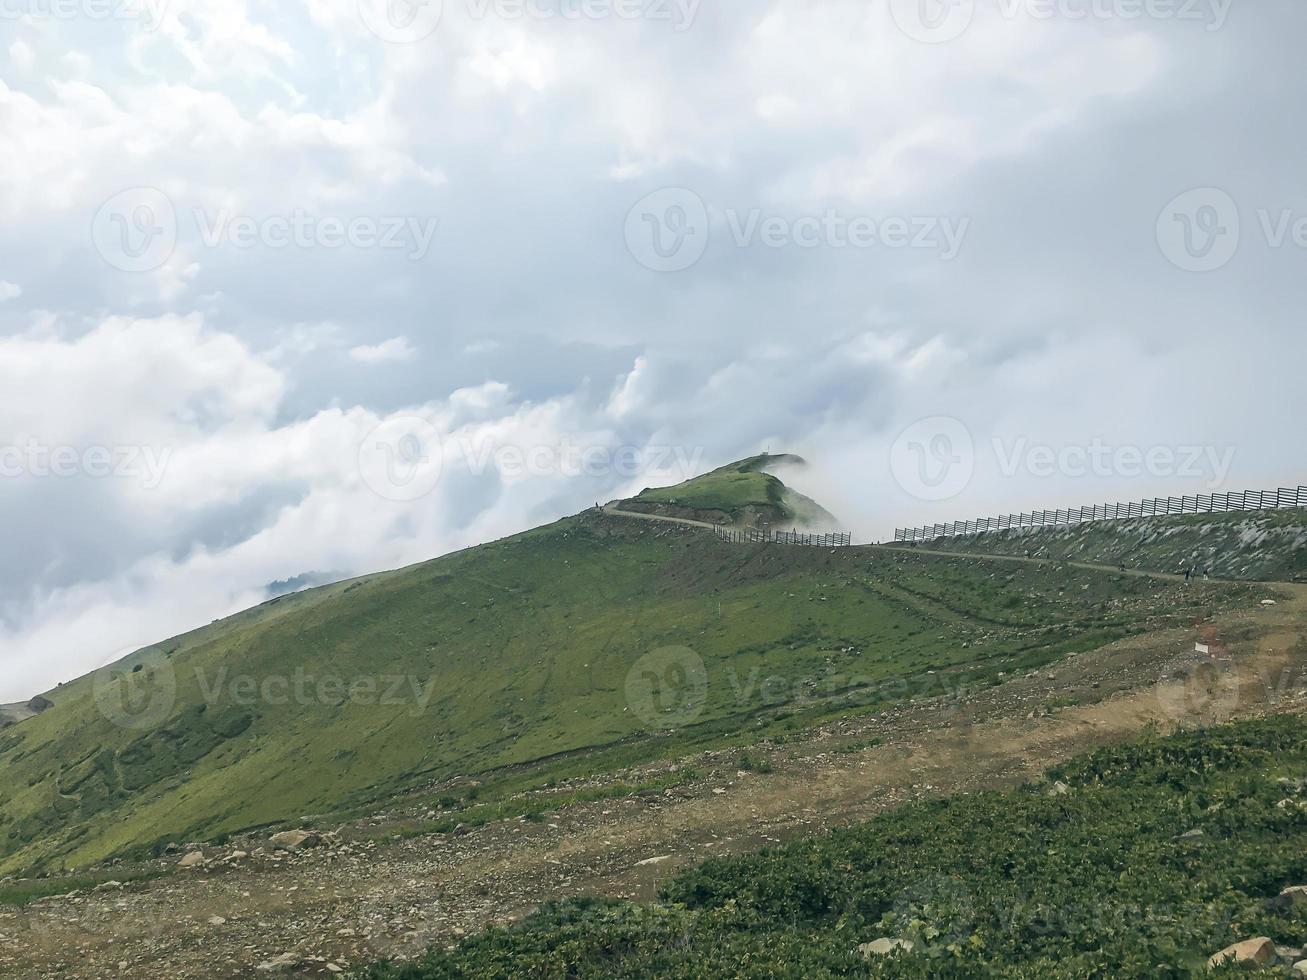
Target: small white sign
<point x="1201" y="648"/>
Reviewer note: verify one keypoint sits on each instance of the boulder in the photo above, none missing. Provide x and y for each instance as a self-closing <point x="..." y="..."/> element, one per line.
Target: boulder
<point x="295" y="840"/>
<point x="194" y="859"/>
<point x="1250" y="954"/>
<point x="1291" y="896"/>
<point x="1300" y="969"/>
<point x="286" y="961"/>
<point x="883" y="947"/>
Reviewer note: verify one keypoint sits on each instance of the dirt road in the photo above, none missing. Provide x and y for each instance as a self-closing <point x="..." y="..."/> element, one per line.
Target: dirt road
<point x="353" y="900"/>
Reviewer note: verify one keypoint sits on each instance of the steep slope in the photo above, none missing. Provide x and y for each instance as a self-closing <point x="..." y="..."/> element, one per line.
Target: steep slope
<point x="595" y="631"/>
<point x="740" y="494"/>
<point x="1258" y="546"/>
<point x="1134" y="861"/>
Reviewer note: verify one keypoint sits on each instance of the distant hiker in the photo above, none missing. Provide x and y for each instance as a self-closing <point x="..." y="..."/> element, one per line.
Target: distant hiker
<point x="1188" y="573"/>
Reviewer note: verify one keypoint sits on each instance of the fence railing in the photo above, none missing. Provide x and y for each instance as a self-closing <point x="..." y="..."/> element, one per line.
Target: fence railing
<point x="1203" y="503"/>
<point x="836" y="539"/>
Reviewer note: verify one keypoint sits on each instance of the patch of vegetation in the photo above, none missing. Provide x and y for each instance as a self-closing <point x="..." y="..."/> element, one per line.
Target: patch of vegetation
<point x="739" y="491"/>
<point x="512" y="664"/>
<point x="20" y="893"/>
<point x="1105" y="880"/>
<point x="534" y="807"/>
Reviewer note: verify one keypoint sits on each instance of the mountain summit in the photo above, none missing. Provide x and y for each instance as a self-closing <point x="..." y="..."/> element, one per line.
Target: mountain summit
<point x="740" y="494"/>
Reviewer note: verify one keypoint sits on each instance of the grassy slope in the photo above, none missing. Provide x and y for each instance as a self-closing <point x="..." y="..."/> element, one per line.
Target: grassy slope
<point x="738" y="490"/>
<point x="526" y="644"/>
<point x="1270" y="545"/>
<point x="1094" y="883"/>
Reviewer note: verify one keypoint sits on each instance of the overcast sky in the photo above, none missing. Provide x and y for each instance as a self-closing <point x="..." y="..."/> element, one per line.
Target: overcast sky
<point x="333" y="286"/>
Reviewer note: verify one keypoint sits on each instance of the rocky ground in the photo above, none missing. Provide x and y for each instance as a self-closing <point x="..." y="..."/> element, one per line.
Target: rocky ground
<point x="332" y="898"/>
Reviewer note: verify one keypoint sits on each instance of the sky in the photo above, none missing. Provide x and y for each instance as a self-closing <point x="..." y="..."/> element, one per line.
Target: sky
<point x="301" y="289"/>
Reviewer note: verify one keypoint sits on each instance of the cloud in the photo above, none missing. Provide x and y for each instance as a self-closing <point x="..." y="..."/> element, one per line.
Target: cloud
<point x="394" y="349"/>
<point x="9" y="290"/>
<point x="528" y="327"/>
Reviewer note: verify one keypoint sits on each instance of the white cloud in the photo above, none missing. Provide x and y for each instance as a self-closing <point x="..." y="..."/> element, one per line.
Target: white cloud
<point x="22" y="56"/>
<point x="530" y="140"/>
<point x="394" y="349"/>
<point x="9" y="290"/>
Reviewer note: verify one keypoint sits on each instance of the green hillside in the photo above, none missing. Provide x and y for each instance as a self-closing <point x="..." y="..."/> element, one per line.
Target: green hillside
<point x="621" y="638"/>
<point x="1149" y="859"/>
<point x="739" y="493"/>
<point x="1265" y="545"/>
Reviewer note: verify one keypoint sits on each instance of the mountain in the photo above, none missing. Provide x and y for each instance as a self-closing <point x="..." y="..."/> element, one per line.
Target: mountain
<point x="581" y="646"/>
<point x="740" y="494"/>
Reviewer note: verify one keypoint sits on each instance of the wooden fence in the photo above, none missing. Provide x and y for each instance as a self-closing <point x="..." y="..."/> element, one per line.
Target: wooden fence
<point x="1203" y="503"/>
<point x="836" y="539"/>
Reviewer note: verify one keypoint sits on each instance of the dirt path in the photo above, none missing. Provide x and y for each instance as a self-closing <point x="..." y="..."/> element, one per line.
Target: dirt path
<point x="611" y="508"/>
<point x="353" y="901"/>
